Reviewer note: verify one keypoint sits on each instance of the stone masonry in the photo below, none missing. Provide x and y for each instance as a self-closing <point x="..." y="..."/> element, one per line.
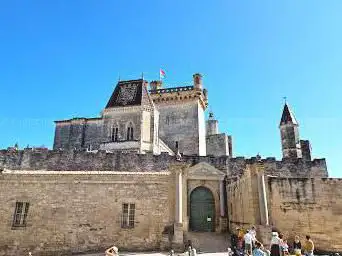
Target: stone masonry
<point x="150" y="170"/>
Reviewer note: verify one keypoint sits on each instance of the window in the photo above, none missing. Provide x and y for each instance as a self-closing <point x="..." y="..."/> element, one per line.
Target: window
<point x="115" y="133"/>
<point x="20" y="214"/>
<point x="130" y="132"/>
<point x="128" y="211"/>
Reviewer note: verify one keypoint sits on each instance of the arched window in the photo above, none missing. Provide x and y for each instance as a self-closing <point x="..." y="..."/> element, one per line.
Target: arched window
<point x="114" y="133"/>
<point x="130" y="132"/>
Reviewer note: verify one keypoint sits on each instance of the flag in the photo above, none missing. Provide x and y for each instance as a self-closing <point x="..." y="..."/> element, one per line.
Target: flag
<point x="161" y="74"/>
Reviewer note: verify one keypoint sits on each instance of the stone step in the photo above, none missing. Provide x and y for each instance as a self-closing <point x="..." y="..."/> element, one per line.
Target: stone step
<point x="205" y="242"/>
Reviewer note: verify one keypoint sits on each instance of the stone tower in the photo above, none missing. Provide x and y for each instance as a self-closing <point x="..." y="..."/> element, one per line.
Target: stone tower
<point x="182" y="121"/>
<point x="212" y="125"/>
<point x="289" y="132"/>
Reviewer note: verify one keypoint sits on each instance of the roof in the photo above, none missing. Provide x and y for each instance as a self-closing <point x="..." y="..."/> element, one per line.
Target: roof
<point x="129" y="93"/>
<point x="287" y="116"/>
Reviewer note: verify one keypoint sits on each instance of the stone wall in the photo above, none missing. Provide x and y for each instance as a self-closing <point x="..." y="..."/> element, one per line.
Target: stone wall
<point x="81" y="160"/>
<point x="81" y="211"/>
<point x="217" y="145"/>
<point x="180" y="122"/>
<point x="307" y="206"/>
<point x="295" y="206"/>
<point x="243" y="204"/>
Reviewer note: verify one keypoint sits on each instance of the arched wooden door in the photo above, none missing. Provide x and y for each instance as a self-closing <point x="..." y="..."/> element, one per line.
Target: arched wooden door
<point x="202" y="210"/>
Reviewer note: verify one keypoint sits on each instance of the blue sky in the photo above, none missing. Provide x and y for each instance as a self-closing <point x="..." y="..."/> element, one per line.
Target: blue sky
<point x="61" y="59"/>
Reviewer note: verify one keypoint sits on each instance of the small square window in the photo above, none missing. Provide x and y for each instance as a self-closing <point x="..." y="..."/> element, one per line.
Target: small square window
<point x="128" y="213"/>
<point x="20" y="214"/>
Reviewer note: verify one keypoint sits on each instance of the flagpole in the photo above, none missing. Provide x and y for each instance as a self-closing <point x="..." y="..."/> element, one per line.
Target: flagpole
<point x="159" y="75"/>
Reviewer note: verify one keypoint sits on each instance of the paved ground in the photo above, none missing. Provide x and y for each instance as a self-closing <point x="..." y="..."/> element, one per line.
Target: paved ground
<point x="155" y="254"/>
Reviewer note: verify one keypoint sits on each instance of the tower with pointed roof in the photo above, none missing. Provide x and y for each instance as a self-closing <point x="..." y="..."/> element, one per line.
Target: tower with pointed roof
<point x="289" y="132"/>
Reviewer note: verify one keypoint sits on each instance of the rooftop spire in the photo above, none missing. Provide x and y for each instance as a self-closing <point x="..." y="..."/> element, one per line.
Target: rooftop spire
<point x="287" y="116"/>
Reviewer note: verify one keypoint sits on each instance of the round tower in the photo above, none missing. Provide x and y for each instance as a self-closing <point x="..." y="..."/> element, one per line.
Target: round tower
<point x="212" y="125"/>
<point x="197" y="81"/>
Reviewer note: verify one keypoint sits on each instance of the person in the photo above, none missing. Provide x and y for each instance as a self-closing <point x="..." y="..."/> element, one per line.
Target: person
<point x="253" y="234"/>
<point x="285" y="247"/>
<point x="240" y="238"/>
<point x="234" y="239"/>
<point x="309" y="246"/>
<point x="248" y="243"/>
<point x="275" y="244"/>
<point x="297" y="246"/>
<point x="257" y="251"/>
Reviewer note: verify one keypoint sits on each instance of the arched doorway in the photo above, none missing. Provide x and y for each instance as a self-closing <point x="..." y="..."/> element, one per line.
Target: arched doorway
<point x="202" y="210"/>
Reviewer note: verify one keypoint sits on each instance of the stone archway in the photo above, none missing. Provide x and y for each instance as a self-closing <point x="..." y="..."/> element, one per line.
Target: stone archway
<point x="202" y="210"/>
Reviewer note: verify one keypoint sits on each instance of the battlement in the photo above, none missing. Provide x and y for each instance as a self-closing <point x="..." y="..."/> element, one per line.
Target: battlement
<point x="184" y="93"/>
<point x="286" y="167"/>
<point x="172" y="89"/>
<point x="76" y="160"/>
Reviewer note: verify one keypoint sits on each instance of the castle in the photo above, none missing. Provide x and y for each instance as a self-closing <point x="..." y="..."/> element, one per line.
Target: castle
<point x="150" y="171"/>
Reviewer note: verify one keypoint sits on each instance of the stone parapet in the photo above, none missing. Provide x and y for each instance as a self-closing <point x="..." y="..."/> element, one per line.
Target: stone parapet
<point x="74" y="160"/>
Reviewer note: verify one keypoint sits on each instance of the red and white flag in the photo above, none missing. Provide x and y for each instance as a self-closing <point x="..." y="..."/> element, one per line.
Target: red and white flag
<point x="161" y="74"/>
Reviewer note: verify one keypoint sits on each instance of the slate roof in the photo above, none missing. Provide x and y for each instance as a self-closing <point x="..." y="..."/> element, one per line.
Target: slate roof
<point x="130" y="93"/>
<point x="287" y="116"/>
<point x="126" y="93"/>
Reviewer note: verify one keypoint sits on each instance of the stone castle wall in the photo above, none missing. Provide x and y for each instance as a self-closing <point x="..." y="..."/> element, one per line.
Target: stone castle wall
<point x="29" y="159"/>
<point x="307" y="206"/>
<point x="217" y="145"/>
<point x="180" y="122"/>
<point x="82" y="211"/>
<point x="295" y="206"/>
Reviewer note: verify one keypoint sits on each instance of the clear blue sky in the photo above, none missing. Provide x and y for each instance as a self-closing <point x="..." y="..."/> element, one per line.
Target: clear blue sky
<point x="61" y="59"/>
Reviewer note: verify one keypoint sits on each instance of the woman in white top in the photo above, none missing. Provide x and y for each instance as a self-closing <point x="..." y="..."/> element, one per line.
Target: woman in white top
<point x="275" y="244"/>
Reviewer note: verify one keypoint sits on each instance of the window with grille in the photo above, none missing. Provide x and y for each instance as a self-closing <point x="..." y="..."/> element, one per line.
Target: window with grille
<point x="20" y="214"/>
<point x="128" y="212"/>
<point x="130" y="132"/>
<point x="115" y="133"/>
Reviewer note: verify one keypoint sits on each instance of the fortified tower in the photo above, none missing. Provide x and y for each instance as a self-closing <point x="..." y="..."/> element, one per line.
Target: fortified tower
<point x="182" y="122"/>
<point x="289" y="133"/>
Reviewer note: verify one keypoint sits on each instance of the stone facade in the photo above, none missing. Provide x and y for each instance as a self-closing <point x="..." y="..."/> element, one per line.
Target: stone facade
<point x="149" y="171"/>
<point x="295" y="206"/>
<point x="82" y="211"/>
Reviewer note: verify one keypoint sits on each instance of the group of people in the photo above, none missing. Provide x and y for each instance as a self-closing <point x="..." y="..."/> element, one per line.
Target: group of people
<point x="246" y="243"/>
<point x="280" y="247"/>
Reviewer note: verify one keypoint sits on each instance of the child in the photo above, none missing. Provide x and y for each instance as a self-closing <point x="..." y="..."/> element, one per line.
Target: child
<point x="285" y="248"/>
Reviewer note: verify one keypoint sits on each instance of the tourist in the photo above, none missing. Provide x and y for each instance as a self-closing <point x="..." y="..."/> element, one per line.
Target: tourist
<point x="253" y="234"/>
<point x="275" y="244"/>
<point x="285" y="247"/>
<point x="240" y="238"/>
<point x="193" y="252"/>
<point x="257" y="251"/>
<point x="297" y="246"/>
<point x="234" y="239"/>
<point x="248" y="243"/>
<point x="309" y="246"/>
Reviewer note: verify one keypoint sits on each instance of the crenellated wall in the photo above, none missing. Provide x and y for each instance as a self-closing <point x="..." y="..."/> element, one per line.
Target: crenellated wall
<point x="81" y="160"/>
